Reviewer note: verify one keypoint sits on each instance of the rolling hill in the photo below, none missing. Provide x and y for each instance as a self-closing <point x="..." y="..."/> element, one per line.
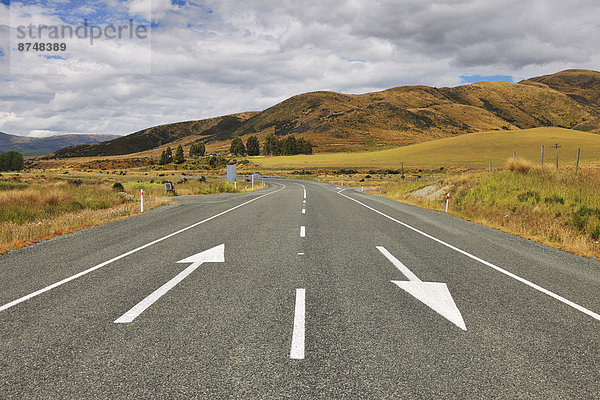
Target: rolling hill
<point x="394" y="117"/>
<point x="32" y="146"/>
<point x="465" y="151"/>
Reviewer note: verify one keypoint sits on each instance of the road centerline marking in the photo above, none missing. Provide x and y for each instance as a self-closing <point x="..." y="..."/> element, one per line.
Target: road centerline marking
<point x="297" y="348"/>
<point x="303" y="211"/>
<point x="302" y="231"/>
<point x="482" y="261"/>
<point x="92" y="269"/>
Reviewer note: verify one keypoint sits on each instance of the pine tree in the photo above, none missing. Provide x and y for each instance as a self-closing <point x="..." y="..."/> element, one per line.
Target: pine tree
<point x="237" y="147"/>
<point x="253" y="146"/>
<point x="288" y="146"/>
<point x="272" y="146"/>
<point x="179" y="158"/>
<point x="197" y="149"/>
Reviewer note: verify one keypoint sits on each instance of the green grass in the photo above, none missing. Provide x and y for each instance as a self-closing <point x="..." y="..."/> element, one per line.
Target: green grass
<point x="474" y="150"/>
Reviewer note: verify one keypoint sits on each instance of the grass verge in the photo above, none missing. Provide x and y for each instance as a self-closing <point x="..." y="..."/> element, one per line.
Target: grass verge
<point x="35" y="207"/>
<point x="561" y="209"/>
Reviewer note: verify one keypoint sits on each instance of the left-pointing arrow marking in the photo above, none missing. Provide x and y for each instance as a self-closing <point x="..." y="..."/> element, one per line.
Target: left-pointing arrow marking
<point x="433" y="294"/>
<point x="216" y="254"/>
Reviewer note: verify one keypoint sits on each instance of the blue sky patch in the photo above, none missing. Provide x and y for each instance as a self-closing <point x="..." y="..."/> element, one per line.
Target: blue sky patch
<point x="55" y="57"/>
<point x="486" y="78"/>
<point x="1" y="53"/>
<point x="5" y="2"/>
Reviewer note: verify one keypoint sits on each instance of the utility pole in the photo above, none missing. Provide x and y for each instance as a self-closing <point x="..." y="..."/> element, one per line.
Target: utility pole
<point x="556" y="146"/>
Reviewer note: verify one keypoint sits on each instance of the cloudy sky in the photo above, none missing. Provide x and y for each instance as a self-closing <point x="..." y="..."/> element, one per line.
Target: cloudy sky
<point x="207" y="58"/>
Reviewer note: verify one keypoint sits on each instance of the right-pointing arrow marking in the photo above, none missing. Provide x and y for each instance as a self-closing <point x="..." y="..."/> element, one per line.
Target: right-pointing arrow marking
<point x="435" y="295"/>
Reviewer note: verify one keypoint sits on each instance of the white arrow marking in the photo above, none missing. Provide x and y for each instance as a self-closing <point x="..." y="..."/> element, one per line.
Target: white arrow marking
<point x="216" y="254"/>
<point x="433" y="294"/>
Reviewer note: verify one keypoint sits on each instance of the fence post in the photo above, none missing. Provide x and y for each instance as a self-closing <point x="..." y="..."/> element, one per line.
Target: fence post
<point x="490" y="167"/>
<point x="514" y="155"/>
<point x="577" y="162"/>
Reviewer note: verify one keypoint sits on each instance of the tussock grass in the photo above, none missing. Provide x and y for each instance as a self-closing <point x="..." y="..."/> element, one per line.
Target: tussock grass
<point x="561" y="209"/>
<point x="33" y="207"/>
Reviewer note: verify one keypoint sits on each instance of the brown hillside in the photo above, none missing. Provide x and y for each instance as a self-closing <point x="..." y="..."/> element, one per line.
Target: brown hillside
<point x="414" y="114"/>
<point x="398" y="116"/>
<point x="579" y="84"/>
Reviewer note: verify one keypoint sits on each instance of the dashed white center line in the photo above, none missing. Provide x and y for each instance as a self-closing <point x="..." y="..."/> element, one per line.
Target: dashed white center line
<point x="302" y="231"/>
<point x="304" y="193"/>
<point x="303" y="211"/>
<point x="297" y="350"/>
<point x="300" y="254"/>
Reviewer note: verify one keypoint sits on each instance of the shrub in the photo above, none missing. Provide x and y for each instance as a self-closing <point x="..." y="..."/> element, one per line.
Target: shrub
<point x="554" y="199"/>
<point x="118" y="187"/>
<point x="529" y="195"/>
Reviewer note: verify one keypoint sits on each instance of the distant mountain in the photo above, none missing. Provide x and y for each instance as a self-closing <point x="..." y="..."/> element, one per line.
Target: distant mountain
<point x="32" y="146"/>
<point x="398" y="116"/>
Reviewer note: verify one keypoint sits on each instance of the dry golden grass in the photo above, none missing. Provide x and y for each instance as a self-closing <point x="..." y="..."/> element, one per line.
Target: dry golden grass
<point x="37" y="207"/>
<point x="558" y="208"/>
<point x="474" y="150"/>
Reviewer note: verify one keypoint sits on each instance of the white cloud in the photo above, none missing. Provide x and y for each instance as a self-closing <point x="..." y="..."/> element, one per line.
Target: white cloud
<point x="225" y="56"/>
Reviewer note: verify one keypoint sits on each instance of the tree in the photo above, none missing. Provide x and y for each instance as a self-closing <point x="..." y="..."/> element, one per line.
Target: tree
<point x="237" y="147"/>
<point x="253" y="146"/>
<point x="179" y="158"/>
<point x="197" y="149"/>
<point x="271" y="146"/>
<point x="289" y="146"/>
<point x="166" y="156"/>
<point x="11" y="161"/>
<point x="304" y="146"/>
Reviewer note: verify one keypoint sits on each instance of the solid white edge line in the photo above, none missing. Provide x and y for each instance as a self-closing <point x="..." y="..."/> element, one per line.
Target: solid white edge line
<point x="87" y="271"/>
<point x="503" y="271"/>
<point x="302" y="231"/>
<point x="297" y="349"/>
<point x="140" y="307"/>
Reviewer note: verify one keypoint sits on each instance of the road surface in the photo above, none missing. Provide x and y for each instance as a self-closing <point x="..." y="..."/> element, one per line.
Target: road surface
<point x="302" y="290"/>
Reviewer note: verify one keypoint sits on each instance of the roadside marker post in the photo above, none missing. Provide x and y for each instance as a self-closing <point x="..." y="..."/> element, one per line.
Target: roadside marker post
<point x="577" y="162"/>
<point x="447" y="200"/>
<point x="142" y="200"/>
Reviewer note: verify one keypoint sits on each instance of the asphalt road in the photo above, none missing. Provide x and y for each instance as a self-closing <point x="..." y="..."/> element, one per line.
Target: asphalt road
<point x="292" y="312"/>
